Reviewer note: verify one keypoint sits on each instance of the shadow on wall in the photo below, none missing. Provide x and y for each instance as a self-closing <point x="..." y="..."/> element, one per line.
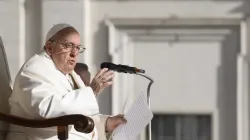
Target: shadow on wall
<point x="227" y="86"/>
<point x="100" y="53"/>
<point x="244" y="8"/>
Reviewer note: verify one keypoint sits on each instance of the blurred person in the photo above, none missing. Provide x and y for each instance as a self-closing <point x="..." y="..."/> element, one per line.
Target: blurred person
<point x="83" y="71"/>
<point x="47" y="86"/>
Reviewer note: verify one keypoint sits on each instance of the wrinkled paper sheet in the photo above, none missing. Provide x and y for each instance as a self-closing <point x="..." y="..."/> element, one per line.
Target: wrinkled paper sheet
<point x="138" y="117"/>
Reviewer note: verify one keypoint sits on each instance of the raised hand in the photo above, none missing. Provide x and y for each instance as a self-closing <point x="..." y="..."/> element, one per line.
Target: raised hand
<point x="102" y="80"/>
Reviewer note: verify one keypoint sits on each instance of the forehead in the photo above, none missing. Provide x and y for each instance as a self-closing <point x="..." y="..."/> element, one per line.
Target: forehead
<point x="71" y="38"/>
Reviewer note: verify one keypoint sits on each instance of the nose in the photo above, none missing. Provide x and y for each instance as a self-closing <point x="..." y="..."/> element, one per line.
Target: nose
<point x="74" y="52"/>
<point x="72" y="55"/>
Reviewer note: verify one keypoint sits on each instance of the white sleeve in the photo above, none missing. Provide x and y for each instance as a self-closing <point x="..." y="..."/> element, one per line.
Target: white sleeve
<point x="40" y="98"/>
<point x="100" y="122"/>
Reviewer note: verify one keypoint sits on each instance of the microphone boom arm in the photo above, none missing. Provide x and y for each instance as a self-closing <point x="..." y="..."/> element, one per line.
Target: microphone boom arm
<point x="148" y="99"/>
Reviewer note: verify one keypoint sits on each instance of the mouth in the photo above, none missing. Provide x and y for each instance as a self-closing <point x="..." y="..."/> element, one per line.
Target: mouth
<point x="72" y="61"/>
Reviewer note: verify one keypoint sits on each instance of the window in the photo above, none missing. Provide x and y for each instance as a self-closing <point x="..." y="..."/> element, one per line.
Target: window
<point x="181" y="127"/>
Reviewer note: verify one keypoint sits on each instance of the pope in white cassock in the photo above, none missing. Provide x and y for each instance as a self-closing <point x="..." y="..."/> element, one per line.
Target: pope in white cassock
<point x="47" y="86"/>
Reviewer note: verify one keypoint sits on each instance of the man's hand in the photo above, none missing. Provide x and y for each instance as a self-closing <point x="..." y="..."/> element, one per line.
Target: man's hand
<point x="114" y="121"/>
<point x="101" y="80"/>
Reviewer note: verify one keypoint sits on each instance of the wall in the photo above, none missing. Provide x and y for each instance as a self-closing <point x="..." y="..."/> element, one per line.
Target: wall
<point x="201" y="96"/>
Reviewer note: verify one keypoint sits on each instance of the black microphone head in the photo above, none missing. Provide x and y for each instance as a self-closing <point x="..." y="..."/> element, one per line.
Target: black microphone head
<point x="104" y="65"/>
<point x="108" y="65"/>
<point x="121" y="68"/>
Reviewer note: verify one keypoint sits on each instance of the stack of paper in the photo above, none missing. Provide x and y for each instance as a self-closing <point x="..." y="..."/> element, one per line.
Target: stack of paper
<point x="138" y="117"/>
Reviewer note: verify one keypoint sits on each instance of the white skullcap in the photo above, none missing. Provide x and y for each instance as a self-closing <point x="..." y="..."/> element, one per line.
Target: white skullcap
<point x="55" y="29"/>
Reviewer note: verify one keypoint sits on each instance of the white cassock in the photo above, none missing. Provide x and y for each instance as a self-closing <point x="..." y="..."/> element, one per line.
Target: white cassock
<point x="42" y="91"/>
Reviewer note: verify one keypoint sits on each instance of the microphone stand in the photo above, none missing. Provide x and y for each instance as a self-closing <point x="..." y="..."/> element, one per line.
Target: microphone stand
<point x="148" y="99"/>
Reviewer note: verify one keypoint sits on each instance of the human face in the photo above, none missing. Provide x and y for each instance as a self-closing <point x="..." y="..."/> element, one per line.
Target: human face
<point x="63" y="57"/>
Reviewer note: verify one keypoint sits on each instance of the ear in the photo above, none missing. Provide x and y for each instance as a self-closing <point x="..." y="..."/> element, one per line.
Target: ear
<point x="49" y="47"/>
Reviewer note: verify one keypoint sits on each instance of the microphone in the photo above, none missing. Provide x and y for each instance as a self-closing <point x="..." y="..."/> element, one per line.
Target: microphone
<point x="121" y="68"/>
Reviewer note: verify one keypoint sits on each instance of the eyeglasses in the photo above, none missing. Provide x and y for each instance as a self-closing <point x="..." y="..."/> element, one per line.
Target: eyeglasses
<point x="71" y="46"/>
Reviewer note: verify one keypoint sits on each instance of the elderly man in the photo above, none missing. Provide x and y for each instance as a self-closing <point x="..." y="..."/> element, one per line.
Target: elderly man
<point x="47" y="86"/>
<point x="83" y="71"/>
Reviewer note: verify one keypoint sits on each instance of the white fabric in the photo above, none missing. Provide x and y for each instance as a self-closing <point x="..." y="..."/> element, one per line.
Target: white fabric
<point x="56" y="28"/>
<point x="42" y="91"/>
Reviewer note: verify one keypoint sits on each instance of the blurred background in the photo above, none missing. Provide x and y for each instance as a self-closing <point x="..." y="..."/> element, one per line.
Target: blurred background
<point x="197" y="51"/>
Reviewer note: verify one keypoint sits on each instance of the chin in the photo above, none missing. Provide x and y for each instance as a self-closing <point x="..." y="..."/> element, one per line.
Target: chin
<point x="69" y="69"/>
<point x="70" y="64"/>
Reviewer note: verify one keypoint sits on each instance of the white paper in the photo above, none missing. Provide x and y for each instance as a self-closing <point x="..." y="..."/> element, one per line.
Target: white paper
<point x="138" y="117"/>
